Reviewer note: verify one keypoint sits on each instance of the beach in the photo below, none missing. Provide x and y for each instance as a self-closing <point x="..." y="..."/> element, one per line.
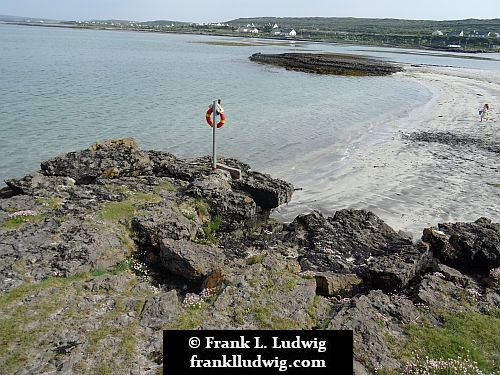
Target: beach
<point x="412" y="185"/>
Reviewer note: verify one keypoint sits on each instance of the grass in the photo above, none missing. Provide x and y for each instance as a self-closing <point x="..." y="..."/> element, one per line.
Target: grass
<point x="18" y="221"/>
<point x="256" y="259"/>
<point x="125" y="210"/>
<point x="165" y="186"/>
<point x="465" y="335"/>
<point x="52" y="203"/>
<point x="190" y="318"/>
<point x="33" y="312"/>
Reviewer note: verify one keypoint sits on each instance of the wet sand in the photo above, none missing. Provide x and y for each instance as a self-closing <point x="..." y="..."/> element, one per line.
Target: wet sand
<point x="412" y="185"/>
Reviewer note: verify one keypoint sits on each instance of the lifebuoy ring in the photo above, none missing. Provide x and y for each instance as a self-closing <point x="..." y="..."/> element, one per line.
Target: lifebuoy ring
<point x="208" y="117"/>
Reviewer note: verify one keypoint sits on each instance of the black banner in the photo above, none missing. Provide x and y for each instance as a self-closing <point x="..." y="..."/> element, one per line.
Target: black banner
<point x="257" y="352"/>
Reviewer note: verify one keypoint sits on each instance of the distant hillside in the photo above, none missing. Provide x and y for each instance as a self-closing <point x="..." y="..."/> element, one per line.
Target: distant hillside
<point x="373" y="25"/>
<point x="4" y="18"/>
<point x="149" y="23"/>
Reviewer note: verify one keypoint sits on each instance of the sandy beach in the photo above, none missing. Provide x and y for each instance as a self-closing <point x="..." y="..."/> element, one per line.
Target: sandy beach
<point x="412" y="185"/>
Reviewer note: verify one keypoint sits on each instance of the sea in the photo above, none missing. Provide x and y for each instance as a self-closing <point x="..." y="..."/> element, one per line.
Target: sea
<point x="63" y="89"/>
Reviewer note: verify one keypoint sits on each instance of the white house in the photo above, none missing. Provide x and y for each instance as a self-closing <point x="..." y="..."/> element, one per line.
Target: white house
<point x="479" y="34"/>
<point x="247" y="29"/>
<point x="457" y="33"/>
<point x="437" y="32"/>
<point x="288" y="32"/>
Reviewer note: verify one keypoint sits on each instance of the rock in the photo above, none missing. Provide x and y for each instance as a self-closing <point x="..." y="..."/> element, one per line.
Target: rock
<point x="445" y="295"/>
<point x="453" y="275"/>
<point x="108" y="159"/>
<point x="455" y="140"/>
<point x="161" y="310"/>
<point x="263" y="295"/>
<point x="106" y="248"/>
<point x="236" y="208"/>
<point x="468" y="247"/>
<point x="40" y="185"/>
<point x="372" y="318"/>
<point x="163" y="221"/>
<point x="165" y="164"/>
<point x="192" y="261"/>
<point x="333" y="284"/>
<point x="396" y="270"/>
<point x="337" y="64"/>
<point x="267" y="192"/>
<point x="357" y="241"/>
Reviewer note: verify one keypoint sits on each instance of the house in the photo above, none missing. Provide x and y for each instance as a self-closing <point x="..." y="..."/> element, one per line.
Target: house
<point x="454" y="46"/>
<point x="456" y="33"/>
<point x="247" y="29"/>
<point x="288" y="32"/>
<point x="437" y="32"/>
<point x="479" y="34"/>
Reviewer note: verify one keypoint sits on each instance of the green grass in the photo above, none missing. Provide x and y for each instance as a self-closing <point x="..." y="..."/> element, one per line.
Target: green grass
<point x="52" y="203"/>
<point x="470" y="335"/>
<point x="18" y="221"/>
<point x="125" y="210"/>
<point x="165" y="186"/>
<point x="256" y="259"/>
<point x="190" y="318"/>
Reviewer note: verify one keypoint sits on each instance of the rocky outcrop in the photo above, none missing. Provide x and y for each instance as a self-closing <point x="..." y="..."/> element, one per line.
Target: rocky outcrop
<point x="455" y="140"/>
<point x="105" y="247"/>
<point x="358" y="242"/>
<point x="192" y="261"/>
<point x="108" y="159"/>
<point x="466" y="246"/>
<point x="328" y="63"/>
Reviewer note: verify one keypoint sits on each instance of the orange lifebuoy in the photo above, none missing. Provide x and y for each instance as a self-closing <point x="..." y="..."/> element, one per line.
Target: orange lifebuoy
<point x="208" y="117"/>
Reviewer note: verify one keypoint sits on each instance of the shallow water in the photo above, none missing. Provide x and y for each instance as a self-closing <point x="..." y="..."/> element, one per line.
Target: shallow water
<point x="63" y="89"/>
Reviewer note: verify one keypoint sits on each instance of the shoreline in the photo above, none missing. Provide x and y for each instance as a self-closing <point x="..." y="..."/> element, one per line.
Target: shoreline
<point x="413" y="185"/>
<point x="65" y="26"/>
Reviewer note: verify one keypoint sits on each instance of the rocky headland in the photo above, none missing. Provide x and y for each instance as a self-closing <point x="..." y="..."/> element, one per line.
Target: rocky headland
<point x="328" y="63"/>
<point x="103" y="248"/>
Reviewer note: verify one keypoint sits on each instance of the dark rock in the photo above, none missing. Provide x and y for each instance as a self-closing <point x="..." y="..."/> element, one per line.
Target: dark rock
<point x="108" y="159"/>
<point x="164" y="221"/>
<point x="468" y="247"/>
<point x="191" y="261"/>
<point x="357" y="241"/>
<point x="396" y="270"/>
<point x="454" y="140"/>
<point x="40" y="185"/>
<point x="165" y="164"/>
<point x="333" y="284"/>
<point x="236" y="209"/>
<point x="267" y="192"/>
<point x="161" y="310"/>
<point x="328" y="64"/>
<point x="445" y="295"/>
<point x="372" y="318"/>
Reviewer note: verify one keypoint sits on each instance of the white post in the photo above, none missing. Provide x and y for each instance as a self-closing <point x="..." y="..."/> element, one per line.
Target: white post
<point x="214" y="114"/>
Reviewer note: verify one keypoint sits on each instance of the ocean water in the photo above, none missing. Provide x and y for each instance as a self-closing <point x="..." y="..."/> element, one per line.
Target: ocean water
<point x="64" y="89"/>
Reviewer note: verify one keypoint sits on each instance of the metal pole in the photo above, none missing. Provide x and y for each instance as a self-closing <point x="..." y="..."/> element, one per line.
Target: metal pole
<point x="214" y="114"/>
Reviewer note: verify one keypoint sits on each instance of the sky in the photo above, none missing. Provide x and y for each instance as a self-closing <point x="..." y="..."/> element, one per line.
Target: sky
<point x="226" y="10"/>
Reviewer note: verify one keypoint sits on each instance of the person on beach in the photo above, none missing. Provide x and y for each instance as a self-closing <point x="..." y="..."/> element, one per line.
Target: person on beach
<point x="483" y="113"/>
<point x="218" y="107"/>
